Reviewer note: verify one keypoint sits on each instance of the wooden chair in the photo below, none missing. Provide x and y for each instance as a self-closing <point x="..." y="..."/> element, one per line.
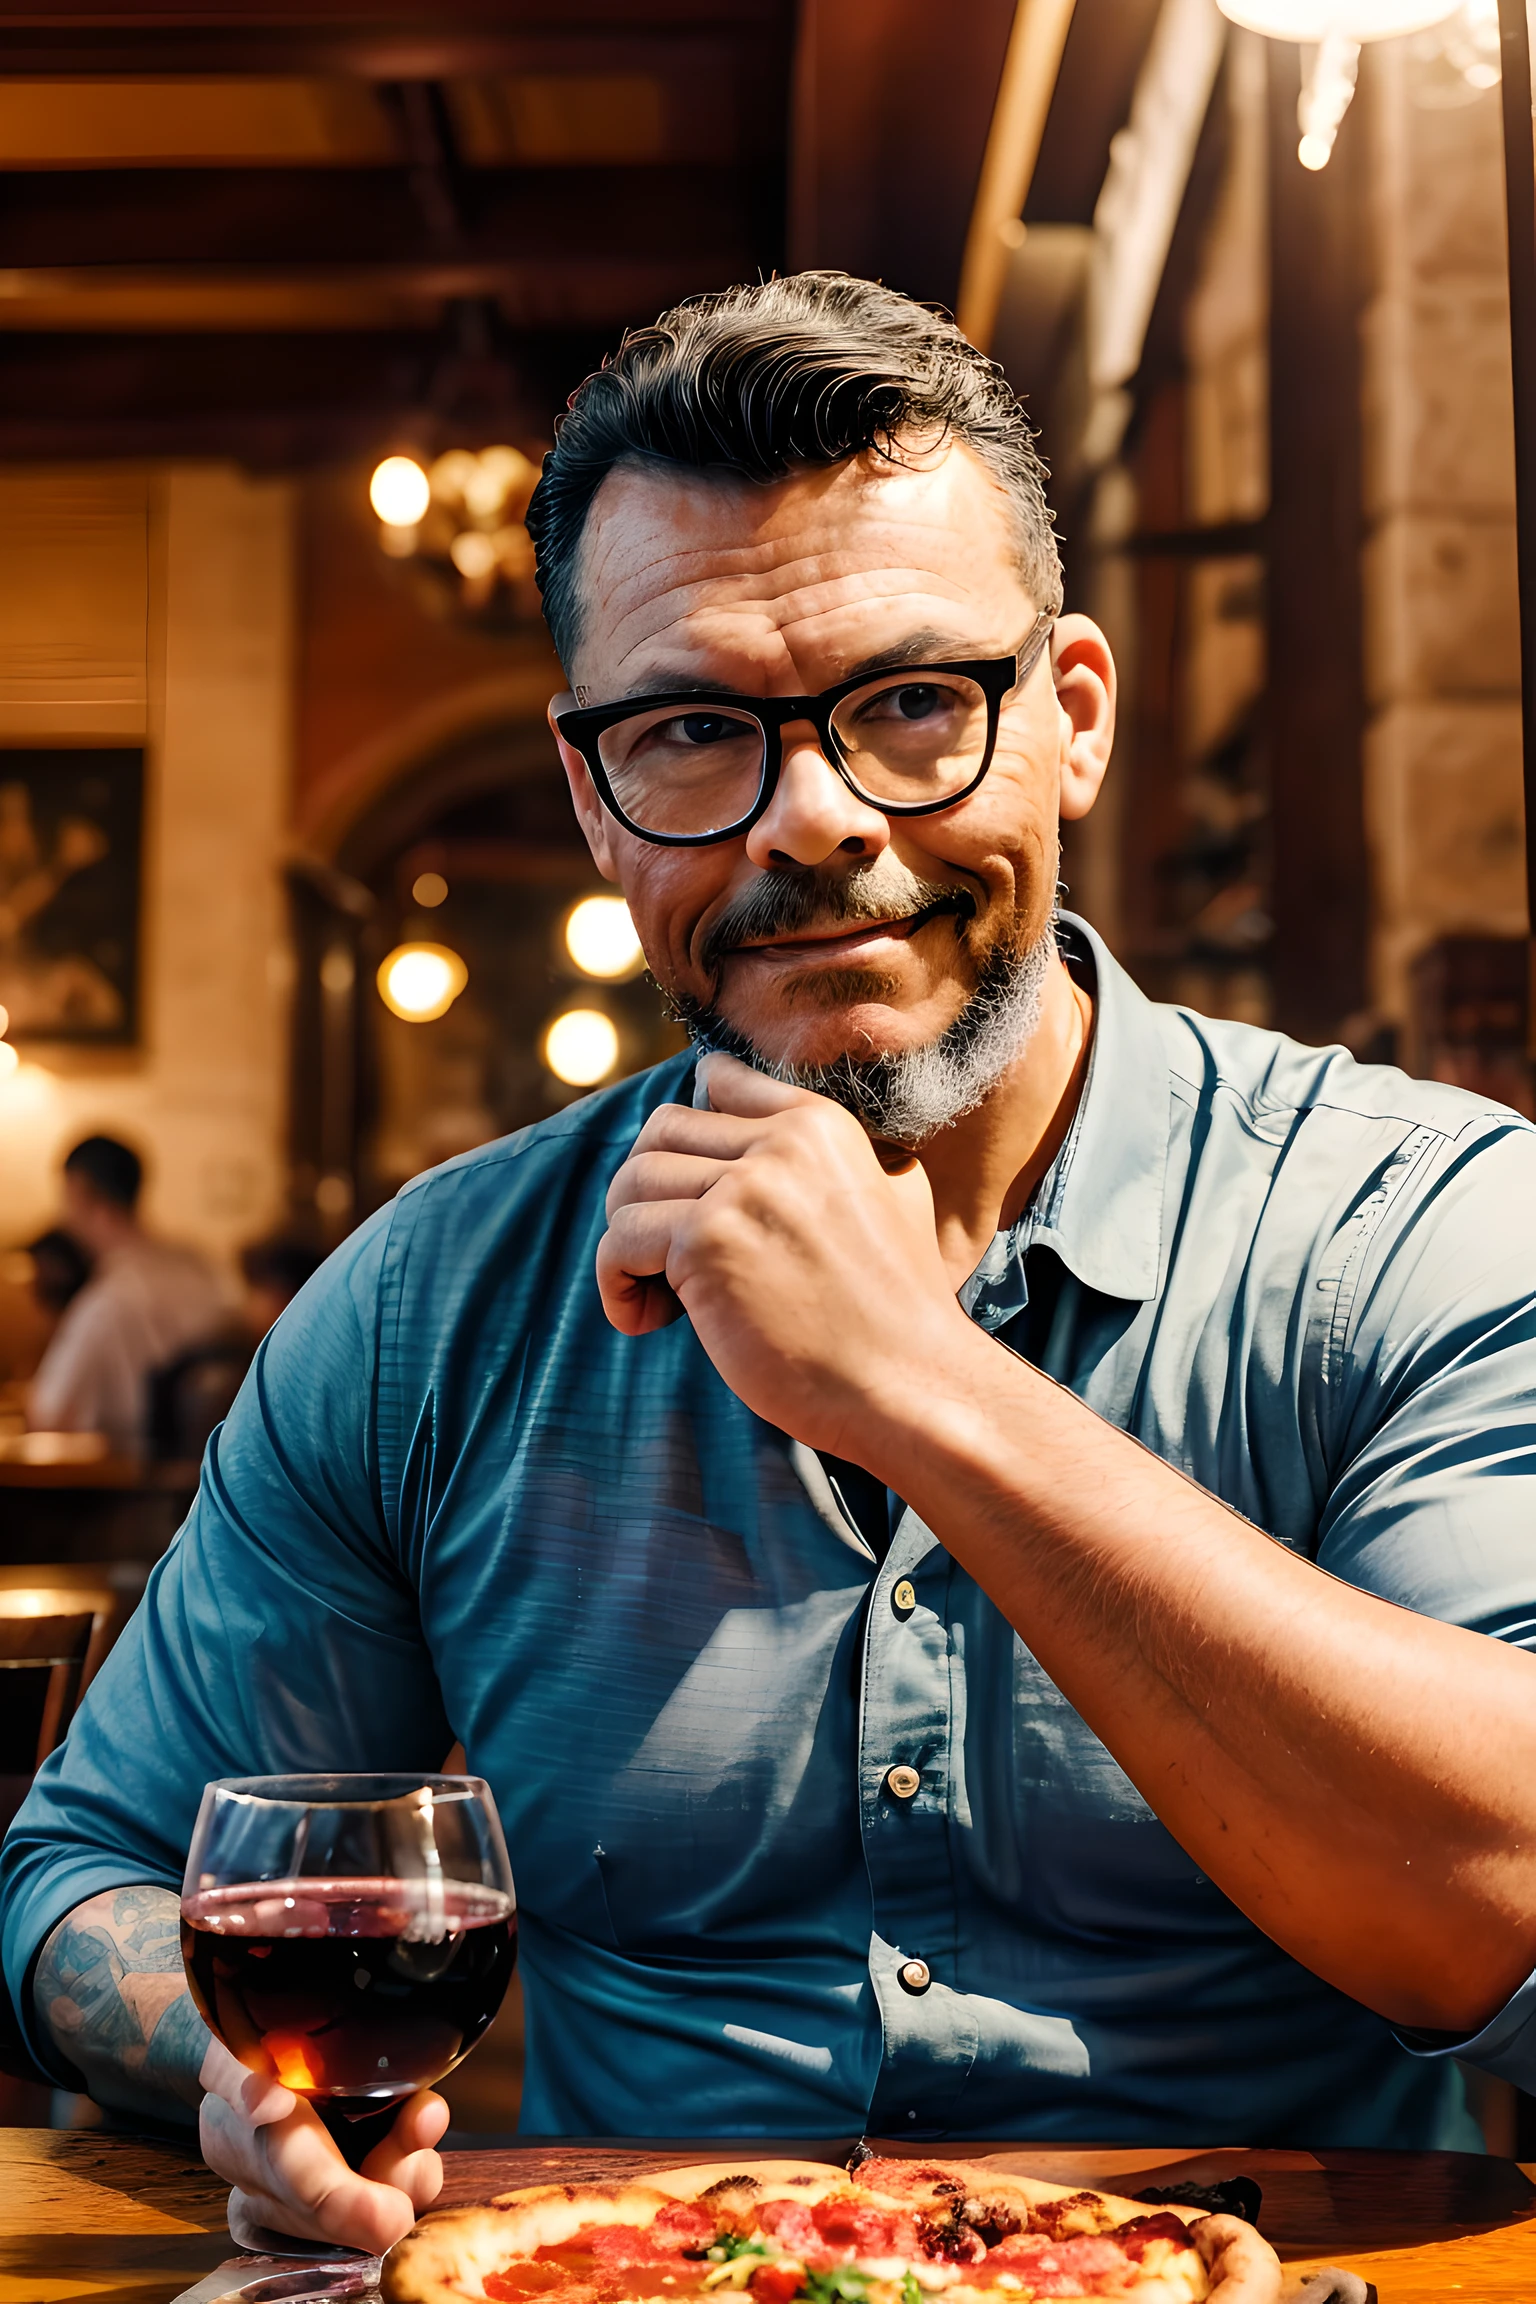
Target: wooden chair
<point x="56" y="1626"/>
<point x="57" y="1623"/>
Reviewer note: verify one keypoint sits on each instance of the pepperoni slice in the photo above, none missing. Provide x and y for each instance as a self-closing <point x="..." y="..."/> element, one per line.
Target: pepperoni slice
<point x="789" y="2222"/>
<point x="686" y="2225"/>
<point x="857" y="2228"/>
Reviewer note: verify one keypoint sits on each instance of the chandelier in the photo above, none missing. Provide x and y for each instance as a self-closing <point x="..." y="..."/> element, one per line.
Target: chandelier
<point x="1339" y="28"/>
<point x="460" y="520"/>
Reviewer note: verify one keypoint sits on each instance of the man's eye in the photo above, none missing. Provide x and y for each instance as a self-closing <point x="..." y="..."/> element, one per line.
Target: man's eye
<point x="913" y="700"/>
<point x="703" y="728"/>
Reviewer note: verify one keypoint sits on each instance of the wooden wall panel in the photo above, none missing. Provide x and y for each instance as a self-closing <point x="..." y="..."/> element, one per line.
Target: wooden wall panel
<point x="74" y="604"/>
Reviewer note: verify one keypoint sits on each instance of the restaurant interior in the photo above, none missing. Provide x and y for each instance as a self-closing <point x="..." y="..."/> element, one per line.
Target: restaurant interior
<point x="292" y="902"/>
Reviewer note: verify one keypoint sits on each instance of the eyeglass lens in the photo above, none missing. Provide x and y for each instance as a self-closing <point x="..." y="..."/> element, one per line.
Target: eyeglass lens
<point x="905" y="742"/>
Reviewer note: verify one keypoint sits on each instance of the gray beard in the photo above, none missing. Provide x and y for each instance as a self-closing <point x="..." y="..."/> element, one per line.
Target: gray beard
<point x="908" y="1097"/>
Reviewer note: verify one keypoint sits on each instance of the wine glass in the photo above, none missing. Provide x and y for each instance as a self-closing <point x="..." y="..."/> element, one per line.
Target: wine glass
<point x="349" y="1936"/>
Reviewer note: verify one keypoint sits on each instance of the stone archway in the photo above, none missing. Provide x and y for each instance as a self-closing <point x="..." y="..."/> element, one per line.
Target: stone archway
<point x="376" y="1099"/>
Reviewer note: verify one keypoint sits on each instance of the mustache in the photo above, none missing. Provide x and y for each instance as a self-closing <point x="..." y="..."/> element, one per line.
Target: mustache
<point x="792" y="898"/>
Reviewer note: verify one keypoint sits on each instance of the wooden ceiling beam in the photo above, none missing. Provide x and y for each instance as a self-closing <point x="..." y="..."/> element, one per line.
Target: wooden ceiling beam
<point x="890" y="122"/>
<point x="372" y="44"/>
<point x="533" y="291"/>
<point x="271" y="401"/>
<point x="307" y="217"/>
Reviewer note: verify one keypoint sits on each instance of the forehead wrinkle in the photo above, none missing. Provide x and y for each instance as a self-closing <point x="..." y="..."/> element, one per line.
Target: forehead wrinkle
<point x="694" y="621"/>
<point x="646" y="583"/>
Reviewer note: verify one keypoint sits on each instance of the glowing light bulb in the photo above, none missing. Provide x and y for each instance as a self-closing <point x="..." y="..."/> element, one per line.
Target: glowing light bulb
<point x="399" y="491"/>
<point x="600" y="937"/>
<point x="420" y="982"/>
<point x="1314" y="152"/>
<point x="581" y="1047"/>
<point x="1309" y="20"/>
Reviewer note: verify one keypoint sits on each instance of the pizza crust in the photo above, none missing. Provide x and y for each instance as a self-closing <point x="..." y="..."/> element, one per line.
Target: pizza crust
<point x="1243" y="2267"/>
<point x="447" y="2257"/>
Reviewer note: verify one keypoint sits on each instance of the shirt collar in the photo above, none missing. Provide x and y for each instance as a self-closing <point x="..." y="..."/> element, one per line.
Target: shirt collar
<point x="1100" y="1203"/>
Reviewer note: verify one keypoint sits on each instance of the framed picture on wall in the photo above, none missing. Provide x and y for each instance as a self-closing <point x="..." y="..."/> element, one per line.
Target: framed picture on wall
<point x="71" y="840"/>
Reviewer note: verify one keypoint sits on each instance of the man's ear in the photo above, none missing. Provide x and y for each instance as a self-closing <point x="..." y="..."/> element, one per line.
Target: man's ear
<point x="591" y="815"/>
<point x="1084" y="672"/>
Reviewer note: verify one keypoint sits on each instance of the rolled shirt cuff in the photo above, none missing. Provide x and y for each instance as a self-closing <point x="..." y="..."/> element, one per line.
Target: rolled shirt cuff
<point x="1505" y="2046"/>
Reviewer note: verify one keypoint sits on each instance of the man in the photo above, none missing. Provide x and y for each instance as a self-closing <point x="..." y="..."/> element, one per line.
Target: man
<point x="145" y="1302"/>
<point x="1035" y="1648"/>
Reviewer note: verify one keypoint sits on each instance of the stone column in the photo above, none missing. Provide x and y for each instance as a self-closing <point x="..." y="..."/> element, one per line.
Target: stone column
<point x="1442" y="761"/>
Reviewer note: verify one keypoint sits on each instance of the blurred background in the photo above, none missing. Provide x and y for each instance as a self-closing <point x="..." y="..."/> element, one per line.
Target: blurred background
<point x="291" y="900"/>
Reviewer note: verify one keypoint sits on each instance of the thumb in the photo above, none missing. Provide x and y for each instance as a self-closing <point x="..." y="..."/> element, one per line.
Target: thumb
<point x="254" y="2095"/>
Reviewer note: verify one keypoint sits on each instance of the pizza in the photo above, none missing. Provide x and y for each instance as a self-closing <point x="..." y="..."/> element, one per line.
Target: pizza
<point x="793" y="2232"/>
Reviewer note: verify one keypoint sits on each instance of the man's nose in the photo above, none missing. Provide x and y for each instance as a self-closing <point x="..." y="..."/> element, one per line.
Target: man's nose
<point x="813" y="815"/>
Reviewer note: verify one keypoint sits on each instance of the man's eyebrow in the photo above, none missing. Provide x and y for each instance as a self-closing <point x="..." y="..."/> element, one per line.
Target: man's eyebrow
<point x="925" y="647"/>
<point x="684" y="680"/>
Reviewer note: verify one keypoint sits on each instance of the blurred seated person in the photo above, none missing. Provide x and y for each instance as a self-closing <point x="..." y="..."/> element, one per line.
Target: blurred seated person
<point x="146" y="1301"/>
<point x="274" y="1271"/>
<point x="60" y="1269"/>
<point x="191" y="1395"/>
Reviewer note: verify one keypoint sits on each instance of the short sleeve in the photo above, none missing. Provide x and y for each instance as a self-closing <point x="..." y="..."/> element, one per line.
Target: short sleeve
<point x="277" y="1635"/>
<point x="1432" y="1500"/>
<point x="1435" y="1504"/>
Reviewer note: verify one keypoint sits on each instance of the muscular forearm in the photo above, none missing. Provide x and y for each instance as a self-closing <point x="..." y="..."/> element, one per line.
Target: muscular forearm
<point x="1361" y="1780"/>
<point x="110" y="1992"/>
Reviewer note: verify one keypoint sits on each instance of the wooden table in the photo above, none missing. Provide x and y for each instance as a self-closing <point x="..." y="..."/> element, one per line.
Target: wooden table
<point x="113" y="1509"/>
<point x="86" y="2216"/>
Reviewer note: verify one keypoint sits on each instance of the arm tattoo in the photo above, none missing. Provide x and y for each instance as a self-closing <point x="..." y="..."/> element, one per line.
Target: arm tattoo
<point x="110" y="1992"/>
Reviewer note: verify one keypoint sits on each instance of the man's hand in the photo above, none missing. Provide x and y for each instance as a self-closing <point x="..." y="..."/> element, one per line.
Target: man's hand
<point x="288" y="2175"/>
<point x="111" y="1992"/>
<point x="812" y="1276"/>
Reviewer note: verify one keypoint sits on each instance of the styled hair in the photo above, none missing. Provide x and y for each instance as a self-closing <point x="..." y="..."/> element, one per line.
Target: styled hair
<point x="112" y="1171"/>
<point x="756" y="381"/>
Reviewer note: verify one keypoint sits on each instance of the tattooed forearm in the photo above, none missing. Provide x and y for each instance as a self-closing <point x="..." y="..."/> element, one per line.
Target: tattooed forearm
<point x="110" y="1991"/>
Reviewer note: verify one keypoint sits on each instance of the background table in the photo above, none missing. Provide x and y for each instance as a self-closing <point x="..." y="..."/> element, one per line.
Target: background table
<point x="87" y="2216"/>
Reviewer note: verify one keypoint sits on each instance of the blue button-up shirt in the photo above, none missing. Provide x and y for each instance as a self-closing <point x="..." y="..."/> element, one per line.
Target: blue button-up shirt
<point x="452" y="1502"/>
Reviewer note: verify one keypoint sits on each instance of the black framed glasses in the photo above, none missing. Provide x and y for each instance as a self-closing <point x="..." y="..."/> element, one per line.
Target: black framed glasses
<point x="702" y="764"/>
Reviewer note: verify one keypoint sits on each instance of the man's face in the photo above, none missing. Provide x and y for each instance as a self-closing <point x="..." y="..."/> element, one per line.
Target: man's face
<point x="691" y="581"/>
<point x="88" y="1218"/>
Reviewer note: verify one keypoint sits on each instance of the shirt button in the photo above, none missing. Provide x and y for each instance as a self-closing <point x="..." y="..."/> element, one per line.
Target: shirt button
<point x="902" y="1783"/>
<point x="904" y="1599"/>
<point x="913" y="1976"/>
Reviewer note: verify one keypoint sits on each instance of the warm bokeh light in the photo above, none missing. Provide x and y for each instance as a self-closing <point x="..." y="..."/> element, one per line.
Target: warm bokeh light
<point x="600" y="937"/>
<point x="581" y="1047"/>
<point x="5" y="1019"/>
<point x="1314" y="152"/>
<point x="421" y="982"/>
<point x="399" y="491"/>
<point x="1310" y="20"/>
<point x="9" y="1059"/>
<point x="428" y="889"/>
<point x="472" y="553"/>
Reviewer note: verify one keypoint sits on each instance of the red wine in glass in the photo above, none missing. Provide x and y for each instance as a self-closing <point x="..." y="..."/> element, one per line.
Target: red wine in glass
<point x="323" y="1984"/>
<point x="350" y="1936"/>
